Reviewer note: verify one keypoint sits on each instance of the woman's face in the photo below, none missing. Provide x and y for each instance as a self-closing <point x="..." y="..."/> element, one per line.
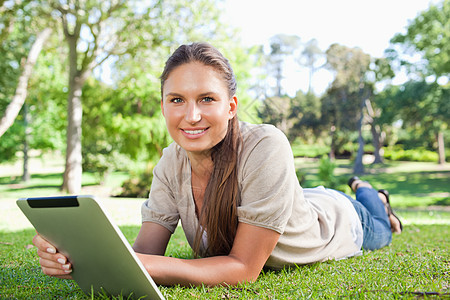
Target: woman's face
<point x="197" y="107"/>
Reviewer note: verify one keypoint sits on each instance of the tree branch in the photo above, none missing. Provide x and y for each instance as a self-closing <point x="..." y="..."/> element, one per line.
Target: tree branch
<point x="18" y="100"/>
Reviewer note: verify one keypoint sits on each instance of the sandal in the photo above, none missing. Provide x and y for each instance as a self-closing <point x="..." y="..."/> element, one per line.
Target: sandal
<point x="389" y="208"/>
<point x="350" y="182"/>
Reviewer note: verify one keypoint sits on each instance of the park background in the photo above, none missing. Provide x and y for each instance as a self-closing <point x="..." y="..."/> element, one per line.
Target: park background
<point x="358" y="88"/>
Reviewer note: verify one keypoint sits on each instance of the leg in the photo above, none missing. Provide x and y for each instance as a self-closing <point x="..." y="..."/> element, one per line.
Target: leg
<point x="370" y="201"/>
<point x="375" y="225"/>
<point x="376" y="233"/>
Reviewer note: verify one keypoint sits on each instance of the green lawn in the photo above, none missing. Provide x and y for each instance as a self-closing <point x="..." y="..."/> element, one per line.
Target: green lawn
<point x="415" y="265"/>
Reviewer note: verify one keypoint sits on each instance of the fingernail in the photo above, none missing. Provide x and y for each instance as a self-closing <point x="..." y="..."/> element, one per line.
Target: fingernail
<point x="51" y="250"/>
<point x="66" y="266"/>
<point x="67" y="271"/>
<point x="61" y="261"/>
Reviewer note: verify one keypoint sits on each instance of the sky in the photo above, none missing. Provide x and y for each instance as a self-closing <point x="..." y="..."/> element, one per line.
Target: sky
<point x="367" y="24"/>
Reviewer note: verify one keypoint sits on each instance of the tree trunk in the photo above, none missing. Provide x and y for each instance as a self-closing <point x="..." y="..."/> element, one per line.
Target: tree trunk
<point x="332" y="154"/>
<point x="73" y="170"/>
<point x="377" y="140"/>
<point x="441" y="147"/>
<point x="279" y="77"/>
<point x="377" y="134"/>
<point x="18" y="100"/>
<point x="26" y="173"/>
<point x="359" y="166"/>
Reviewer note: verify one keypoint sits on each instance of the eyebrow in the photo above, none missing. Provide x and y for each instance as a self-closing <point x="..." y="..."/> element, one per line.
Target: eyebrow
<point x="211" y="93"/>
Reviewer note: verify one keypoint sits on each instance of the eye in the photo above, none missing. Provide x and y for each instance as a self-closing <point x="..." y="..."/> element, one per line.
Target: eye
<point x="207" y="99"/>
<point x="176" y="100"/>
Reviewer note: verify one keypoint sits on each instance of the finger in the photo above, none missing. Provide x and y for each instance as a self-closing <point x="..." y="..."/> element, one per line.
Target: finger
<point x="52" y="268"/>
<point x="53" y="257"/>
<point x="43" y="245"/>
<point x="56" y="272"/>
<point x="58" y="265"/>
<point x="54" y="261"/>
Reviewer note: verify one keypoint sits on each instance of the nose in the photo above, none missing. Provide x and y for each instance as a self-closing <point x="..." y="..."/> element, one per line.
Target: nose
<point x="193" y="113"/>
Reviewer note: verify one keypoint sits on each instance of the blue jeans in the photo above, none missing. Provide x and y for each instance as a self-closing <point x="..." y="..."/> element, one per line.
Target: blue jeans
<point x="375" y="222"/>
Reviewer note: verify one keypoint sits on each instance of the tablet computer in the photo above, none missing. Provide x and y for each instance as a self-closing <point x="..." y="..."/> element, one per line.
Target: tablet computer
<point x="101" y="257"/>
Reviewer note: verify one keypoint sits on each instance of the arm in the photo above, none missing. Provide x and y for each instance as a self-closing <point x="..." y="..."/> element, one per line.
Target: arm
<point x="152" y="239"/>
<point x="251" y="249"/>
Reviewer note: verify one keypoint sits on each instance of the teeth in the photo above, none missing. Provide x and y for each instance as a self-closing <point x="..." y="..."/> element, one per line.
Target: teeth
<point x="194" y="131"/>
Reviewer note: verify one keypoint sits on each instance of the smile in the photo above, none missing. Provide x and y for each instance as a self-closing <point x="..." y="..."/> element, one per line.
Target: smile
<point x="194" y="131"/>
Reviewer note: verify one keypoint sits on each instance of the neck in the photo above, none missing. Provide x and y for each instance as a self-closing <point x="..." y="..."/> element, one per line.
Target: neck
<point x="201" y="164"/>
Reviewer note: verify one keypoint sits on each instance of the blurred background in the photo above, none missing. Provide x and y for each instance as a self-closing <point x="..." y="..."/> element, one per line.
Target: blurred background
<point x="357" y="87"/>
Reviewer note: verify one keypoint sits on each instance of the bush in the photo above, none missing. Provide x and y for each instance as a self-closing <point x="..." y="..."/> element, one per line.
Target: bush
<point x="137" y="186"/>
<point x="420" y="154"/>
<point x="326" y="170"/>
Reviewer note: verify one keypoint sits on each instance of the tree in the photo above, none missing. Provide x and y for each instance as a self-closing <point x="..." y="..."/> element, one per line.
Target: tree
<point x="277" y="111"/>
<point x="310" y="58"/>
<point x="23" y="34"/>
<point x="281" y="46"/>
<point x="427" y="36"/>
<point x="380" y="70"/>
<point x="18" y="100"/>
<point x="345" y="100"/>
<point x="306" y="117"/>
<point x="15" y="16"/>
<point x="93" y="31"/>
<point x="422" y="108"/>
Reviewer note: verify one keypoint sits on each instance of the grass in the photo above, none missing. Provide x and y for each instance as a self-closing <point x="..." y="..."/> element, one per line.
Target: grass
<point x="415" y="265"/>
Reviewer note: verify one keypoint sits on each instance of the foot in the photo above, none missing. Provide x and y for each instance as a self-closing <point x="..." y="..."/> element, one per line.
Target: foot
<point x="355" y="183"/>
<point x="396" y="225"/>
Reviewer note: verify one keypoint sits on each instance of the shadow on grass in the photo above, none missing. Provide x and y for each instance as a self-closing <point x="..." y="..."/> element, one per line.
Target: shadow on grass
<point x="37" y="181"/>
<point x="412" y="183"/>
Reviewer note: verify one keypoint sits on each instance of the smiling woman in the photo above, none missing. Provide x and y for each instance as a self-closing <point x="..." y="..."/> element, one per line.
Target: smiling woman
<point x="234" y="188"/>
<point x="197" y="107"/>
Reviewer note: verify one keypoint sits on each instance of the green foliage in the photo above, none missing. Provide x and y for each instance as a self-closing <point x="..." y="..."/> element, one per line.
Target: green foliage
<point x="305" y="114"/>
<point x="422" y="108"/>
<point x="276" y="111"/>
<point x="138" y="186"/>
<point x="420" y="154"/>
<point x="427" y="35"/>
<point x="326" y="174"/>
<point x="326" y="169"/>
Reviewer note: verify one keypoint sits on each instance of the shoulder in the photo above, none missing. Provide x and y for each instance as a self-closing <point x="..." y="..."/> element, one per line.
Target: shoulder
<point x="263" y="139"/>
<point x="252" y="134"/>
<point x="173" y="158"/>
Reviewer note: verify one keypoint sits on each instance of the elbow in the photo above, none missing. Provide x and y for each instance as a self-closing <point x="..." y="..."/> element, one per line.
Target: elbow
<point x="243" y="273"/>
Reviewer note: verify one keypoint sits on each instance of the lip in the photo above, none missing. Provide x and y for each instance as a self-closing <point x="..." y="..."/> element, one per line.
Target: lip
<point x="194" y="133"/>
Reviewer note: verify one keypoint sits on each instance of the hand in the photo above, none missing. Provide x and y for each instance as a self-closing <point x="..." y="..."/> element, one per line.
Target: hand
<point x="52" y="263"/>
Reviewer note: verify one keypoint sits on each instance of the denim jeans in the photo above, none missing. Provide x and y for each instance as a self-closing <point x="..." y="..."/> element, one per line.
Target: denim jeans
<point x="375" y="222"/>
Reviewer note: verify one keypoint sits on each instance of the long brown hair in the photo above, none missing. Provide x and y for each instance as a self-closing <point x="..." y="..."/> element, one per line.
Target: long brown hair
<point x="219" y="212"/>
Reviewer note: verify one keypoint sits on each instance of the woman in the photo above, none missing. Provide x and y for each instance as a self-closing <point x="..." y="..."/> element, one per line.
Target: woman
<point x="234" y="189"/>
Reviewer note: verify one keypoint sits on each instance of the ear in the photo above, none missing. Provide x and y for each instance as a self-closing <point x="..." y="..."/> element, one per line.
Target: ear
<point x="162" y="108"/>
<point x="233" y="107"/>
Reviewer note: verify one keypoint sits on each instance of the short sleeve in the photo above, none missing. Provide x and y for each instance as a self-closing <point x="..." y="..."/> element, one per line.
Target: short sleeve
<point x="268" y="179"/>
<point x="161" y="207"/>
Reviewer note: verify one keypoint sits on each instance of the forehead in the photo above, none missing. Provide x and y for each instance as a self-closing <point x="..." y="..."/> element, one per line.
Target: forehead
<point x="194" y="76"/>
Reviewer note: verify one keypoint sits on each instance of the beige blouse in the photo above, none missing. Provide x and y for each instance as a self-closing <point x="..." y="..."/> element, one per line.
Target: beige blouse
<point x="315" y="224"/>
